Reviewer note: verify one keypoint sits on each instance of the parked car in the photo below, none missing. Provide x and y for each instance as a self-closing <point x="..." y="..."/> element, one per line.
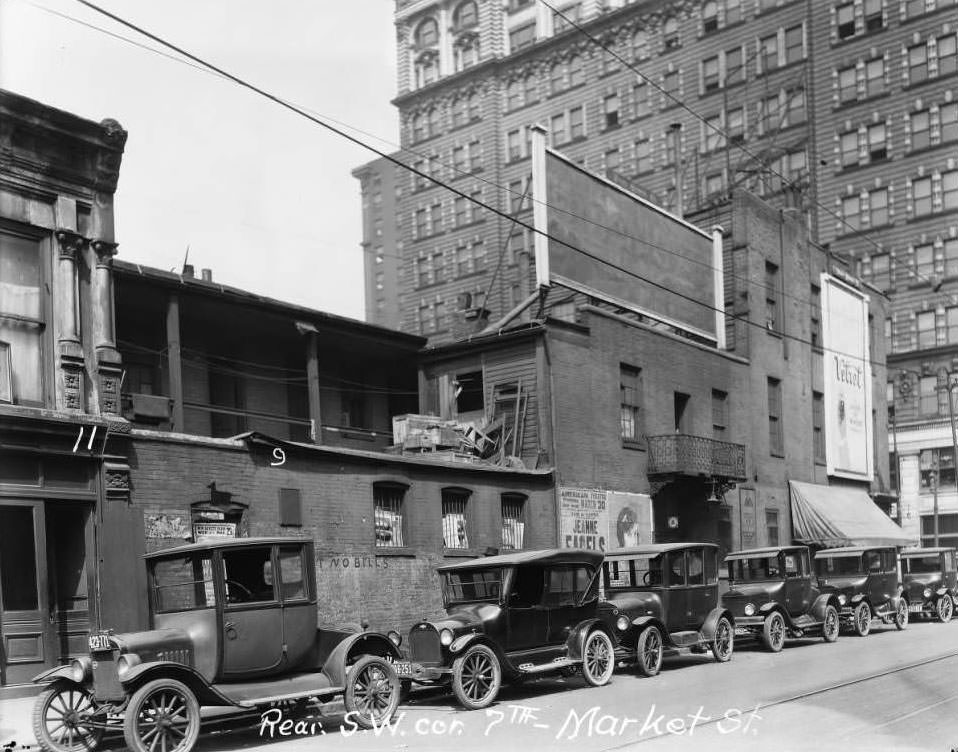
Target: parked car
<point x="930" y="581"/>
<point x="234" y="623"/>
<point x="867" y="583"/>
<point x="513" y="616"/>
<point x="772" y="596"/>
<point x="663" y="600"/>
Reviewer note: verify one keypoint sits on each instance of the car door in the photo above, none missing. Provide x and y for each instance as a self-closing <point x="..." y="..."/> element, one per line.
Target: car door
<point x="528" y="618"/>
<point x="252" y="625"/>
<point x="797" y="582"/>
<point x="675" y="611"/>
<point x="570" y="598"/>
<point x="702" y="590"/>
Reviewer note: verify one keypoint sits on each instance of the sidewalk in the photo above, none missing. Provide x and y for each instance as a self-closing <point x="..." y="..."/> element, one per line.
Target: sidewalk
<point x="15" y="723"/>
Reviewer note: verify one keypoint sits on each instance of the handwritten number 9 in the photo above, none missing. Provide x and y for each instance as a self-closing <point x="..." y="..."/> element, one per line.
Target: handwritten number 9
<point x="280" y="456"/>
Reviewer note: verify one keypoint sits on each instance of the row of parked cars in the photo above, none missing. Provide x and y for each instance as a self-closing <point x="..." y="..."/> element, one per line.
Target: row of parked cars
<point x="235" y="623"/>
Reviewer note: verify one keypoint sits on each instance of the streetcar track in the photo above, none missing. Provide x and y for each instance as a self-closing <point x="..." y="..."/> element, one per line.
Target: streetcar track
<point x="813" y="693"/>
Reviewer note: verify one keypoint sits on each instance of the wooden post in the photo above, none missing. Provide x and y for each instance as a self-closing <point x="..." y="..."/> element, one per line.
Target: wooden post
<point x="174" y="360"/>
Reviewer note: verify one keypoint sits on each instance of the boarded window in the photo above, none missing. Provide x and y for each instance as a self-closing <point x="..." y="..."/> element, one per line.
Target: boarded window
<point x="290" y="507"/>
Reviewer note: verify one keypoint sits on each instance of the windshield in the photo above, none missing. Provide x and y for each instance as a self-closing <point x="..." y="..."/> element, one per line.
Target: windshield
<point x="183" y="584"/>
<point x="472" y="585"/>
<point x="754" y="569"/>
<point x="623" y="574"/>
<point x="838" y="566"/>
<point x="921" y="564"/>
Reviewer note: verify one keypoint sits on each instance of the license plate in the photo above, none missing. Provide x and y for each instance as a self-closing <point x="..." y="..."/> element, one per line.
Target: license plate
<point x="99" y="642"/>
<point x="403" y="668"/>
<point x="915" y="608"/>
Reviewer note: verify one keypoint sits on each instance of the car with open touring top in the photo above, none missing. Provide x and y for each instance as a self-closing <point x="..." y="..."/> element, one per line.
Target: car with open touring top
<point x="772" y="596"/>
<point x="663" y="600"/>
<point x="234" y="624"/>
<point x="511" y="617"/>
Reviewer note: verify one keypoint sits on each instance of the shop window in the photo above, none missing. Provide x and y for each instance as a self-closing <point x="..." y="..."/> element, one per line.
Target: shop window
<point x="947" y="530"/>
<point x="389" y="514"/>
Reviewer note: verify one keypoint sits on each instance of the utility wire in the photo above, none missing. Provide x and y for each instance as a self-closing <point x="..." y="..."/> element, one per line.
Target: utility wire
<point x="359" y="142"/>
<point x="717" y="129"/>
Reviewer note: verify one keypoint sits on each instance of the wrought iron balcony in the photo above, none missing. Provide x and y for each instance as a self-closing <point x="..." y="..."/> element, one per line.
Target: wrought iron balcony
<point x="682" y="454"/>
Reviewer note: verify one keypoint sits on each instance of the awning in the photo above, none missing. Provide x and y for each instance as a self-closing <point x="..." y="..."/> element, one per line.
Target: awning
<point x="835" y="516"/>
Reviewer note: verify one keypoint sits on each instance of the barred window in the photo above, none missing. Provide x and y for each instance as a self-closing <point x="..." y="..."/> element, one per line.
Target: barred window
<point x="513" y="520"/>
<point x="455" y="532"/>
<point x="389" y="514"/>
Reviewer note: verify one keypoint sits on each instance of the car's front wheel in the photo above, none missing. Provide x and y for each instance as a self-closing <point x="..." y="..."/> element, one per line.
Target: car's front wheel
<point x="773" y="632"/>
<point x="724" y="641"/>
<point x="598" y="659"/>
<point x="862" y="619"/>
<point x="372" y="691"/>
<point x="476" y="677"/>
<point x="901" y="614"/>
<point x="62" y="719"/>
<point x="832" y="625"/>
<point x="944" y="608"/>
<point x="649" y="651"/>
<point x="162" y="715"/>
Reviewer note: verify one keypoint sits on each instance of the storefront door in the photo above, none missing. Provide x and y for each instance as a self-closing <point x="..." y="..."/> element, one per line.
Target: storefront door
<point x="24" y="608"/>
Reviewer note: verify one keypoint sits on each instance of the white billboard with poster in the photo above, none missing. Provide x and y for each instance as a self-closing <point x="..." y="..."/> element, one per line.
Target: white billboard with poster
<point x="849" y="438"/>
<point x="601" y="520"/>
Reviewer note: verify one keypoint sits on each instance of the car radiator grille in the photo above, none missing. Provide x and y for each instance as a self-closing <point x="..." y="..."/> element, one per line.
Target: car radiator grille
<point x="106" y="682"/>
<point x="424" y="644"/>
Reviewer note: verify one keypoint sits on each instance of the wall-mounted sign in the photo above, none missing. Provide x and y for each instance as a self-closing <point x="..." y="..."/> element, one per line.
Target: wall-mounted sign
<point x="747" y="512"/>
<point x="165" y="526"/>
<point x="673" y="523"/>
<point x="202" y="530"/>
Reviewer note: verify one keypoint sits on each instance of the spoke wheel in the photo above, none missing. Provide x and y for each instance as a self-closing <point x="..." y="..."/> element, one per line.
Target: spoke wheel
<point x="901" y="614"/>
<point x="832" y="625"/>
<point x="863" y="619"/>
<point x="598" y="659"/>
<point x="163" y="716"/>
<point x="724" y="641"/>
<point x="649" y="651"/>
<point x="476" y="677"/>
<point x="945" y="608"/>
<point x="372" y="691"/>
<point x="61" y="719"/>
<point x="773" y="632"/>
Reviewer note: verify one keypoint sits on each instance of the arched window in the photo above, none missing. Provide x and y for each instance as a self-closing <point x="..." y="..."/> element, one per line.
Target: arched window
<point x="433" y="121"/>
<point x="640" y="45"/>
<point x="465" y="16"/>
<point x="418" y="127"/>
<point x="710" y="16"/>
<point x="427" y="34"/>
<point x="670" y="36"/>
<point x="557" y="77"/>
<point x="513" y="96"/>
<point x="576" y="75"/>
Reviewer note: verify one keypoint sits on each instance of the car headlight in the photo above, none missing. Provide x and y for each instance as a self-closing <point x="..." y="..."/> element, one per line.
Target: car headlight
<point x="80" y="669"/>
<point x="622" y="623"/>
<point x="842" y="598"/>
<point x="394" y="637"/>
<point x="927" y="592"/>
<point x="125" y="662"/>
<point x="445" y="637"/>
<point x="749" y="609"/>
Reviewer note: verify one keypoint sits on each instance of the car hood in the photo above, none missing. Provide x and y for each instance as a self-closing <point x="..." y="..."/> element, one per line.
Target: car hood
<point x="757" y="593"/>
<point x="154" y="644"/>
<point x="637" y="603"/>
<point x="847" y="586"/>
<point x="915" y="584"/>
<point x="468" y="616"/>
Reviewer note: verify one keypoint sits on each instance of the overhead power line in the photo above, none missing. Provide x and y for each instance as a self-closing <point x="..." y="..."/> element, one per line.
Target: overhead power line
<point x="359" y="142"/>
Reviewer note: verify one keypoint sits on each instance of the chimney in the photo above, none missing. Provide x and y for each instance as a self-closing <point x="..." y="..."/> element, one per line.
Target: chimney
<point x="188" y="270"/>
<point x="207" y="275"/>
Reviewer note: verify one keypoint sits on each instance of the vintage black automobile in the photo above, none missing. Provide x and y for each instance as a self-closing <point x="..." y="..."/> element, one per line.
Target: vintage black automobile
<point x="930" y="581"/>
<point x="772" y="596"/>
<point x="663" y="600"/>
<point x="866" y="581"/>
<point x="514" y="616"/>
<point x="234" y="623"/>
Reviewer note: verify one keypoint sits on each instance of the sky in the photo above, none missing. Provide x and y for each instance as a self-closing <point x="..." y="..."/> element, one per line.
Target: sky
<point x="260" y="195"/>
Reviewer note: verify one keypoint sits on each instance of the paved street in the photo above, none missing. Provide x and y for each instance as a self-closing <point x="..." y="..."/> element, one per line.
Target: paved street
<point x="888" y="691"/>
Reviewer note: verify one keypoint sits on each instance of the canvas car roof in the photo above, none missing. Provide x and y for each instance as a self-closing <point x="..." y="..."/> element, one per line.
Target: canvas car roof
<point x="653" y="549"/>
<point x="925" y="551"/>
<point x="209" y="545"/>
<point x="850" y="550"/>
<point x="547" y="556"/>
<point x="768" y="551"/>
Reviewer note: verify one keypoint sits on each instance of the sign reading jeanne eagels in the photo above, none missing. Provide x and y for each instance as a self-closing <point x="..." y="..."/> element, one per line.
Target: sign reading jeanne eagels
<point x="848" y="389"/>
<point x="583" y="518"/>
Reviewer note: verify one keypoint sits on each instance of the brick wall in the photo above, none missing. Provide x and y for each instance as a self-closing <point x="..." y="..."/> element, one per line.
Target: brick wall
<point x="356" y="581"/>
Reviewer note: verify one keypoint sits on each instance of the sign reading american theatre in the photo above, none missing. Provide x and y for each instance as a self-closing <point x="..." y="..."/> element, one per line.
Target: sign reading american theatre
<point x="600" y="520"/>
<point x="848" y="398"/>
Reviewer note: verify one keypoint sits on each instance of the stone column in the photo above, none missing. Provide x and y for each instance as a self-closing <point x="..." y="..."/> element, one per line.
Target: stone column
<point x="108" y="360"/>
<point x="71" y="361"/>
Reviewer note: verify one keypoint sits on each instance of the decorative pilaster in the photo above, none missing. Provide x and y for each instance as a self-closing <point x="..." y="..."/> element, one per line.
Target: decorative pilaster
<point x="108" y="358"/>
<point x="71" y="363"/>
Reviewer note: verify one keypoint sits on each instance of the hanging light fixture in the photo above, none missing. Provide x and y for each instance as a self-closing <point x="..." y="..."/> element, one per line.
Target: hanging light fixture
<point x="713" y="498"/>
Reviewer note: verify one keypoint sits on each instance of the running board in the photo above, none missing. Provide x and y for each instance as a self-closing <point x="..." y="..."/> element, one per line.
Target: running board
<point x="252" y="703"/>
<point x="528" y="668"/>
